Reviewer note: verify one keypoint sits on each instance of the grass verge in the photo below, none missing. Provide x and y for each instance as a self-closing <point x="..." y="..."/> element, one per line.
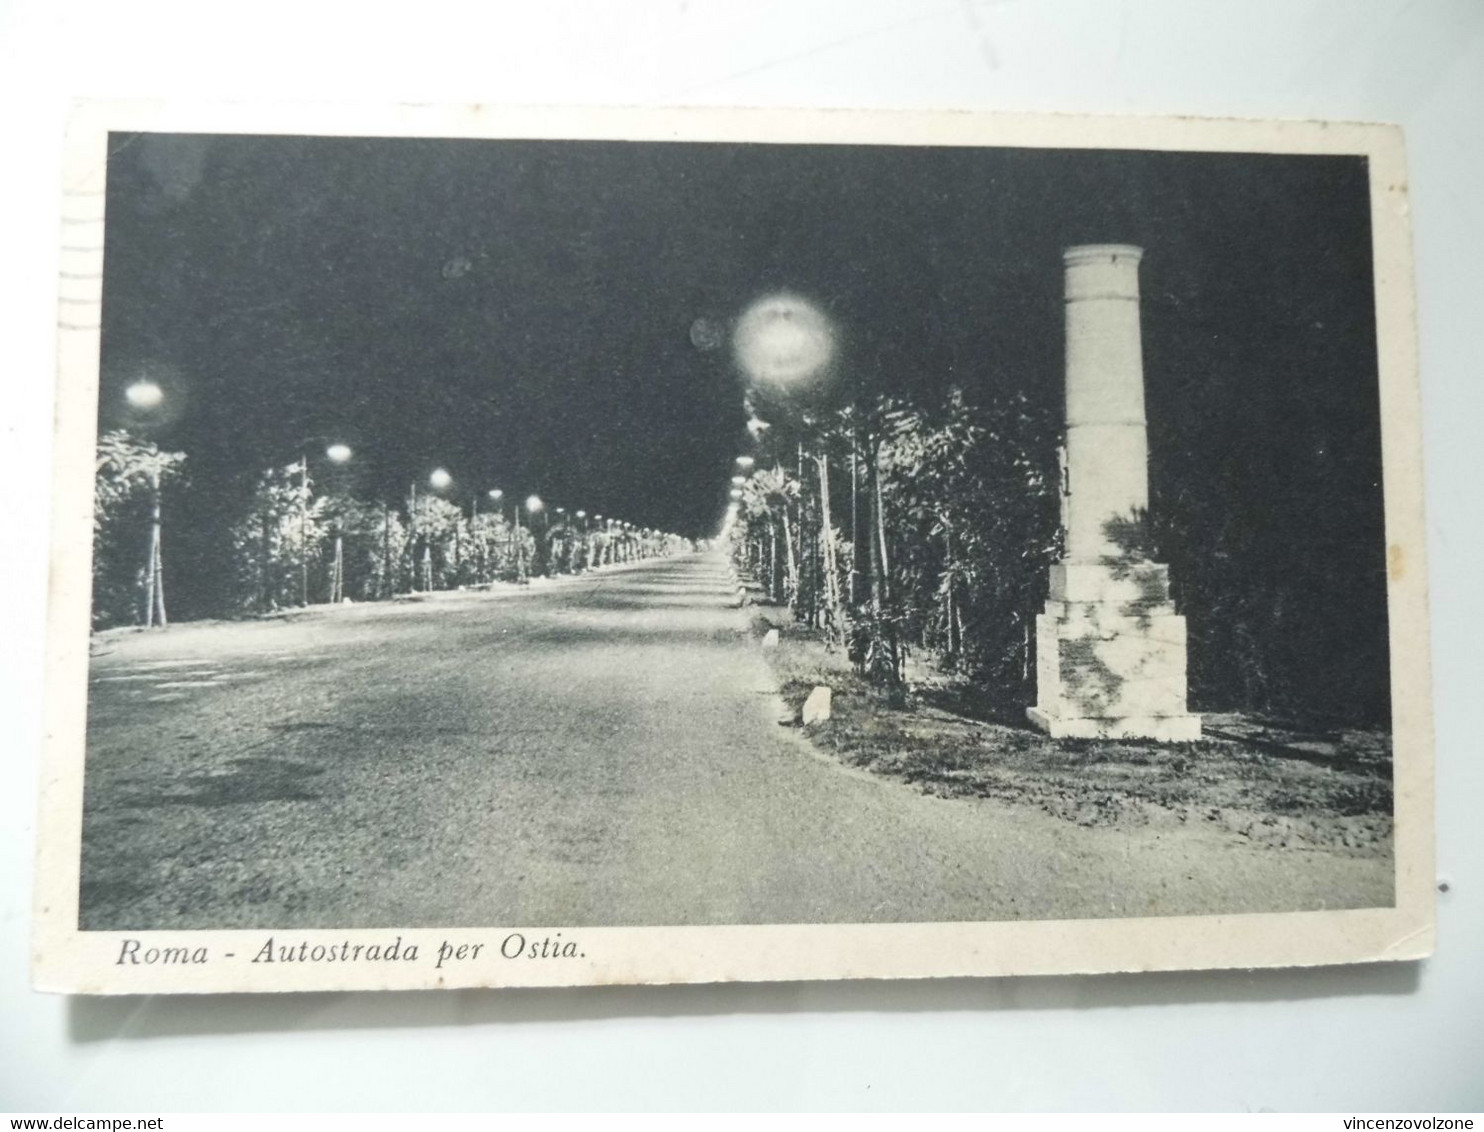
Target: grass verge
<point x="1272" y="784"/>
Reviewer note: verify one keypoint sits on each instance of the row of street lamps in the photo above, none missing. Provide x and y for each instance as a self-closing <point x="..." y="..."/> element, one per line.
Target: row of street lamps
<point x="148" y="396"/>
<point x="743" y="465"/>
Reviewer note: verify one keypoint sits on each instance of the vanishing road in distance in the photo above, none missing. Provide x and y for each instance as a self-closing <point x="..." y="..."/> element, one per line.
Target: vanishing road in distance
<point x="603" y="749"/>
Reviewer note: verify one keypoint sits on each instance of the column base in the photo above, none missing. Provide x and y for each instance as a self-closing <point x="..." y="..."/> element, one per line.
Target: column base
<point x="1110" y="655"/>
<point x="1159" y="728"/>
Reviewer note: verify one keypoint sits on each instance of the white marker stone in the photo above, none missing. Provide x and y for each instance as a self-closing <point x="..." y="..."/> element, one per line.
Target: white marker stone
<point x="817" y="706"/>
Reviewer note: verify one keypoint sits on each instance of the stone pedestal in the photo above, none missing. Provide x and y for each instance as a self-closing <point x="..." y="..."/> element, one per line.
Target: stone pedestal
<point x="1110" y="648"/>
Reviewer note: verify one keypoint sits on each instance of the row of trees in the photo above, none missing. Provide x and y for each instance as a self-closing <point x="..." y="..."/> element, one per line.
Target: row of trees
<point x="293" y="545"/>
<point x="891" y="526"/>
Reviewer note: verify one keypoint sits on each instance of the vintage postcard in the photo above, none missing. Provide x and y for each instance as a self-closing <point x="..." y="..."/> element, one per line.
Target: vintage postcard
<point x="542" y="547"/>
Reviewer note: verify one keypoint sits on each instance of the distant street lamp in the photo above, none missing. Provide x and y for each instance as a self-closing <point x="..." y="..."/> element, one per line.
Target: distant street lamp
<point x="745" y="462"/>
<point x="439" y="480"/>
<point x="336" y="453"/>
<point x="738" y="481"/>
<point x="496" y="495"/>
<point x="533" y="507"/>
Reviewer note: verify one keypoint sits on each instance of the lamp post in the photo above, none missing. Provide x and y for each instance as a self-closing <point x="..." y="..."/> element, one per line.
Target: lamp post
<point x="146" y="395"/>
<point x="554" y="564"/>
<point x="787" y="347"/>
<point x="533" y="507"/>
<point x="439" y="479"/>
<point x="154" y="572"/>
<point x="496" y="495"/>
<point x="336" y="453"/>
<point x="581" y="517"/>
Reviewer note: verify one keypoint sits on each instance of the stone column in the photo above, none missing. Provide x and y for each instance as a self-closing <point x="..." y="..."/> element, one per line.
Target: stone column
<point x="1110" y="649"/>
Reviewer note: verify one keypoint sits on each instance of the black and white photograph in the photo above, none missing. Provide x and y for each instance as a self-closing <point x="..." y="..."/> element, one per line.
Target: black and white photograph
<point x="521" y="537"/>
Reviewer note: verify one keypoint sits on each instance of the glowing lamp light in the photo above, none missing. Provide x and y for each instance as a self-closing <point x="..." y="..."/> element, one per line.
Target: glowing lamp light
<point x="144" y="395"/>
<point x="339" y="453"/>
<point x="534" y="504"/>
<point x="745" y="462"/>
<point x="736" y="493"/>
<point x="440" y="479"/>
<point x="496" y="494"/>
<point x="783" y="339"/>
<point x="739" y="480"/>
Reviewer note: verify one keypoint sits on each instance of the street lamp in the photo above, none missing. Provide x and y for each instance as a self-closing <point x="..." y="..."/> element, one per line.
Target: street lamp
<point x="144" y="395"/>
<point x="745" y="462"/>
<point x="533" y="507"/>
<point x="783" y="340"/>
<point x="495" y="495"/>
<point x="336" y="453"/>
<point x="440" y="480"/>
<point x="147" y="395"/>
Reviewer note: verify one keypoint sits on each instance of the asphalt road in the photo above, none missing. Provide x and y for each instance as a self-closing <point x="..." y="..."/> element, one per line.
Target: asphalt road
<point x="596" y="750"/>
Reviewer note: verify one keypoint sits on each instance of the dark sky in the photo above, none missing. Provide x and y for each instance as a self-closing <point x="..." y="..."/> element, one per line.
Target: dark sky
<point x="520" y="312"/>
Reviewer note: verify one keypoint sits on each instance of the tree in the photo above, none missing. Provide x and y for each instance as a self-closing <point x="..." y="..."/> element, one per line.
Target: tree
<point x="439" y="537"/>
<point x="972" y="493"/>
<point x="953" y="521"/>
<point x="283" y="534"/>
<point x="373" y="542"/>
<point x="130" y="479"/>
<point x="768" y="549"/>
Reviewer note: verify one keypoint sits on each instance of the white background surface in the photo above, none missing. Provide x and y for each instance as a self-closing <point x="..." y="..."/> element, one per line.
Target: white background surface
<point x="1394" y="1037"/>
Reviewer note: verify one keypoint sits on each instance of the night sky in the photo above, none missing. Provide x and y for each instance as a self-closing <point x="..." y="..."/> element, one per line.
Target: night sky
<point x="521" y="312"/>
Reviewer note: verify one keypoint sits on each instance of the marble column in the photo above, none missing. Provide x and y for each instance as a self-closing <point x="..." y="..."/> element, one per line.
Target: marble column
<point x="1110" y="648"/>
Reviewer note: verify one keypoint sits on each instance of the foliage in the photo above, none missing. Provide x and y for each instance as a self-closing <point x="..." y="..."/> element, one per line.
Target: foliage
<point x="127" y="473"/>
<point x="941" y="523"/>
<point x="973" y="504"/>
<point x="374" y="550"/>
<point x="277" y="547"/>
<point x="289" y="537"/>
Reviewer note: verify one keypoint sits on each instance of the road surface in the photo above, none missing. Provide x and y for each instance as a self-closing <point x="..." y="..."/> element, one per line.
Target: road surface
<point x="597" y="750"/>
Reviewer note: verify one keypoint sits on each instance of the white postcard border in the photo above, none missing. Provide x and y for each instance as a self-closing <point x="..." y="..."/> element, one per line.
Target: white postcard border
<point x="69" y="960"/>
